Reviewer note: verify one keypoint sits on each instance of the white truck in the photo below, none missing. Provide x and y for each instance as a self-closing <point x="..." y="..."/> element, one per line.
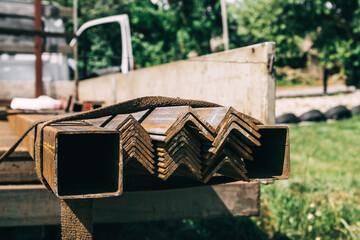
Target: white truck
<point x="17" y="58"/>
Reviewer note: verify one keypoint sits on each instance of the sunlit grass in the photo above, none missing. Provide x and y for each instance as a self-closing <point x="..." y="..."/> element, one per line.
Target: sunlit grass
<point x="322" y="197"/>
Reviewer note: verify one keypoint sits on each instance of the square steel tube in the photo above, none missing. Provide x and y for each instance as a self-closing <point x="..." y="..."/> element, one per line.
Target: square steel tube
<point x="272" y="158"/>
<point x="79" y="161"/>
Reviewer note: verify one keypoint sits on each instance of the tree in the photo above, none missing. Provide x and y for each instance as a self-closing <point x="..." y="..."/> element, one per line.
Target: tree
<point x="162" y="31"/>
<point x="333" y="27"/>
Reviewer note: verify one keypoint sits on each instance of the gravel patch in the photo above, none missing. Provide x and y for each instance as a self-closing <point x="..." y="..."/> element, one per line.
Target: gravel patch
<point x="299" y="106"/>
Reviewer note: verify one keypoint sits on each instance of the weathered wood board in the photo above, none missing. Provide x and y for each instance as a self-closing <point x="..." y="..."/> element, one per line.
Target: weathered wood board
<point x="8" y="137"/>
<point x="19" y="167"/>
<point x="31" y="205"/>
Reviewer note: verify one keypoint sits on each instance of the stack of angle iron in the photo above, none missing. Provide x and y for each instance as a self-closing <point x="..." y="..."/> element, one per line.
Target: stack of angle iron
<point x="236" y="134"/>
<point x="195" y="142"/>
<point x="136" y="143"/>
<point x="178" y="134"/>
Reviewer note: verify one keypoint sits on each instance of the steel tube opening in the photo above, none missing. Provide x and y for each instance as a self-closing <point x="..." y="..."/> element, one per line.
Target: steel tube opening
<point x="87" y="163"/>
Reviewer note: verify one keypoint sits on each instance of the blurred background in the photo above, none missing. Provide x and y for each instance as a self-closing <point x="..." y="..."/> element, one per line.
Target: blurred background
<point x="317" y="68"/>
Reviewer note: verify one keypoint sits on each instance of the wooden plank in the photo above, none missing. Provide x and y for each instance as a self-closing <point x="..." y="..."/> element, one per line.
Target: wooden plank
<point x="31" y="205"/>
<point x="28" y="206"/>
<point x="27" y="10"/>
<point x="6" y="30"/>
<point x="18" y="170"/>
<point x="30" y="48"/>
<point x="17" y="9"/>
<point x="7" y="137"/>
<point x="19" y="167"/>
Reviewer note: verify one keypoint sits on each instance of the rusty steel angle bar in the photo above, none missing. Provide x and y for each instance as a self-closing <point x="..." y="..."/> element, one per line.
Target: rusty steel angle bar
<point x="230" y="169"/>
<point x="182" y="146"/>
<point x="99" y="121"/>
<point x="162" y="118"/>
<point x="169" y="160"/>
<point x="135" y="143"/>
<point x="135" y="153"/>
<point x="122" y="120"/>
<point x="188" y="144"/>
<point x="173" y="158"/>
<point x="132" y="131"/>
<point x="239" y="131"/>
<point x="179" y="155"/>
<point x="247" y="132"/>
<point x="235" y="159"/>
<point x="237" y="141"/>
<point x="224" y="160"/>
<point x="239" y="149"/>
<point x="140" y="141"/>
<point x="196" y="116"/>
<point x="248" y="128"/>
<point x="216" y="116"/>
<point x="205" y="131"/>
<point x="187" y="135"/>
<point x="183" y="161"/>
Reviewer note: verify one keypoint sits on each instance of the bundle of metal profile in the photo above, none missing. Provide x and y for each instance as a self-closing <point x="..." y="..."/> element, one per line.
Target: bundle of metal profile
<point x="178" y="134"/>
<point x="236" y="134"/>
<point x="136" y="143"/>
<point x="200" y="143"/>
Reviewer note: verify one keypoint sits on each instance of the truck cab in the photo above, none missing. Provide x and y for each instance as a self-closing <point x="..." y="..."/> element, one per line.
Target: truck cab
<point x="104" y="46"/>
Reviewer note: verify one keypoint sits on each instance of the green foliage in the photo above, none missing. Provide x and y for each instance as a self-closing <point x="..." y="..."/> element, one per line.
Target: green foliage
<point x="322" y="197"/>
<point x="332" y="26"/>
<point x="286" y="76"/>
<point x="99" y="48"/>
<point x="161" y="32"/>
<point x="270" y="20"/>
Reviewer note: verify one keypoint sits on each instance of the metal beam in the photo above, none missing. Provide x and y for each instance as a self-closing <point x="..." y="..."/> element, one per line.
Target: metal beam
<point x="35" y="32"/>
<point x="27" y="10"/>
<point x="79" y="161"/>
<point x="38" y="49"/>
<point x="30" y="48"/>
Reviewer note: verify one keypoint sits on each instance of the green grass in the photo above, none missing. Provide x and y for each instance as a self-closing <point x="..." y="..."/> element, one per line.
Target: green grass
<point x="322" y="197"/>
<point x="321" y="200"/>
<point x="285" y="82"/>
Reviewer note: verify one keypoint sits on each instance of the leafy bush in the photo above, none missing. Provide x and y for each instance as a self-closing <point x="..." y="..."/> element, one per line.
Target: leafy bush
<point x="287" y="76"/>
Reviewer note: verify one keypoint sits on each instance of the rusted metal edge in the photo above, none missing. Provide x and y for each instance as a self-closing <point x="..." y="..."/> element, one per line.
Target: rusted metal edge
<point x="272" y="158"/>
